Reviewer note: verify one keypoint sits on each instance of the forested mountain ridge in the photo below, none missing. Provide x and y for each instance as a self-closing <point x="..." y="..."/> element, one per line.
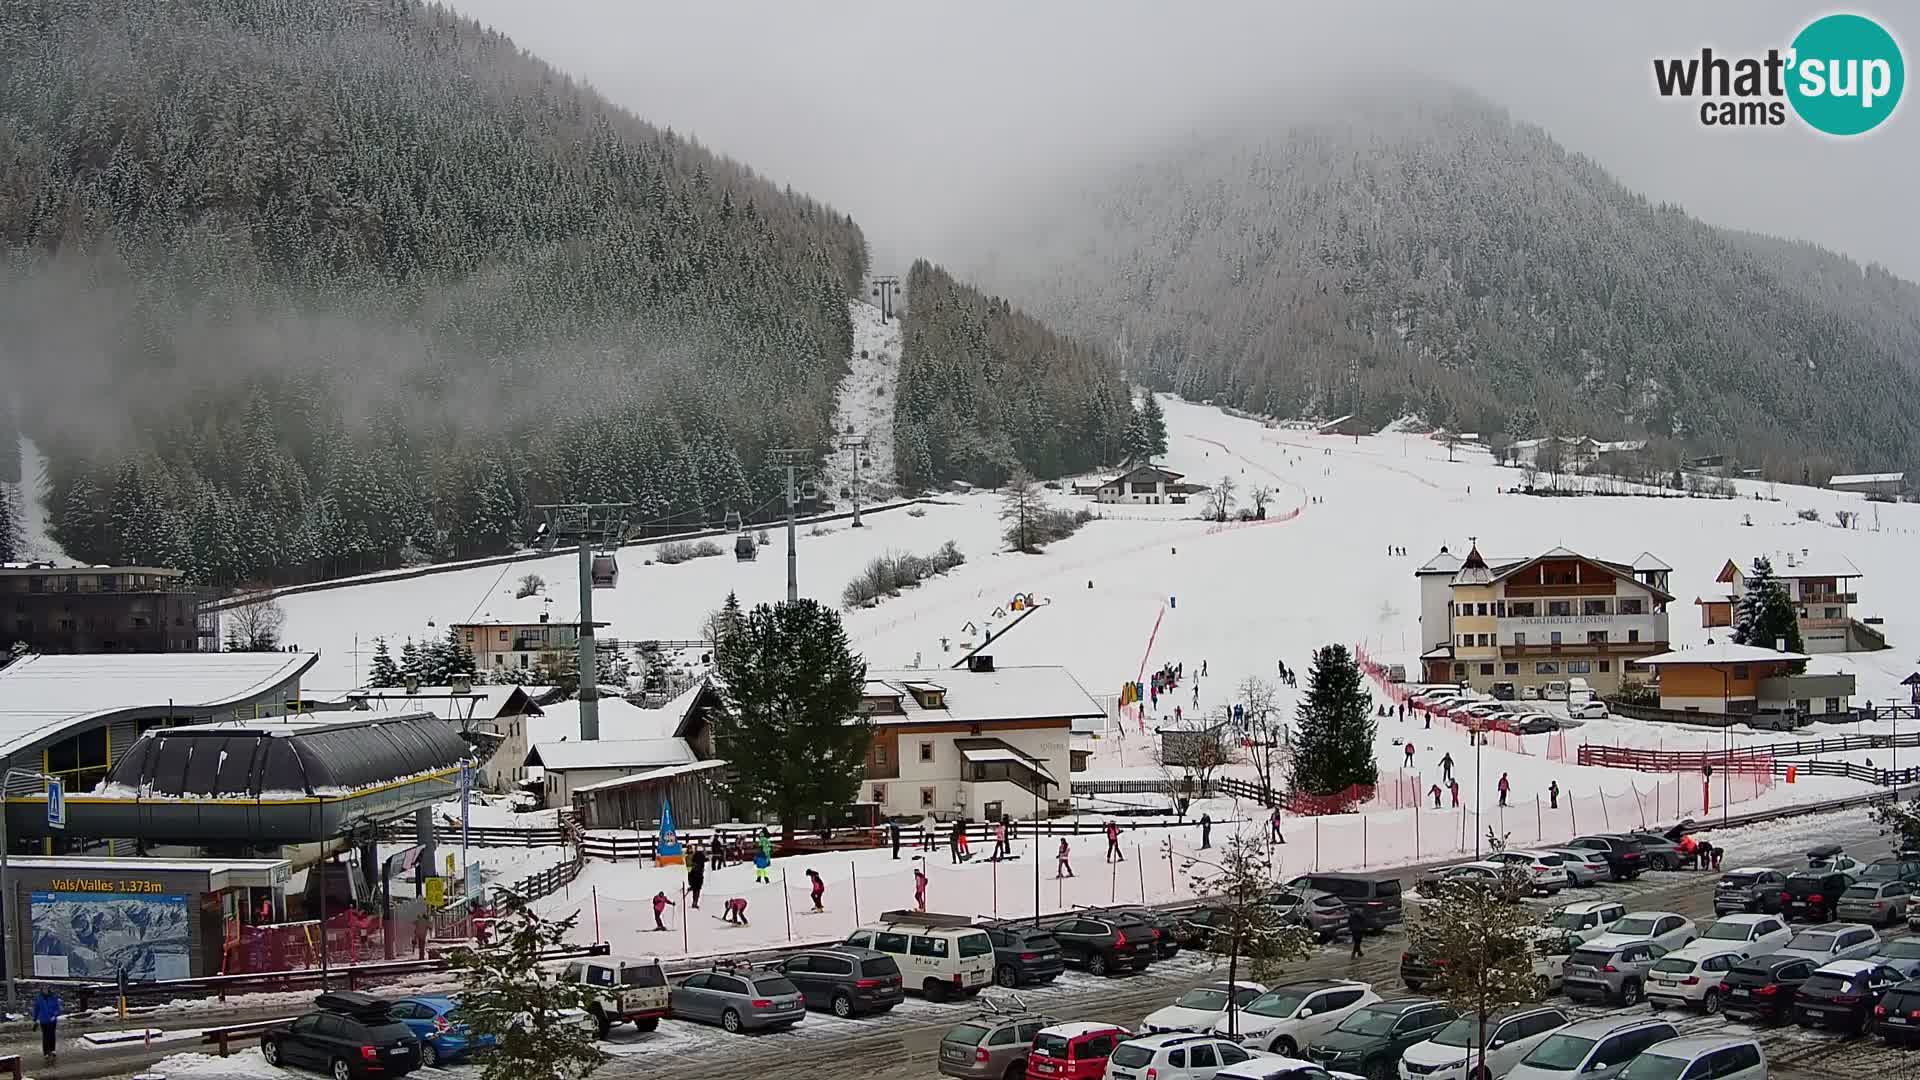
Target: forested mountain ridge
<point x="295" y="288"/>
<point x="984" y="387"/>
<point x="1422" y="253"/>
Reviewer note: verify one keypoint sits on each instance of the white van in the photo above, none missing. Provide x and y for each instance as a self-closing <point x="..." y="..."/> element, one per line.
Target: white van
<point x="1555" y="691"/>
<point x="940" y="956"/>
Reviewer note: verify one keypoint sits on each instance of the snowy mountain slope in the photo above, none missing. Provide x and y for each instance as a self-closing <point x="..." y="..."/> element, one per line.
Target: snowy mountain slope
<point x="865" y="406"/>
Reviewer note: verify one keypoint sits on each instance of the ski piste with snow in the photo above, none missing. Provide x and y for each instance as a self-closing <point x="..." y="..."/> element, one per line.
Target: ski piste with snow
<point x="1146" y="585"/>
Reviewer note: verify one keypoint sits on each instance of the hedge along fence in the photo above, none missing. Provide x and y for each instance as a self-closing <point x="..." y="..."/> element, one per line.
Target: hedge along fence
<point x="886" y="575"/>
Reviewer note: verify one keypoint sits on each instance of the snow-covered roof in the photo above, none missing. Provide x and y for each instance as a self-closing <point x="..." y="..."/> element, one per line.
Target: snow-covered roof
<point x="1646" y="560"/>
<point x="620" y="719"/>
<point x="611" y="754"/>
<point x="1813" y="564"/>
<point x="1005" y="693"/>
<point x="1868" y="478"/>
<point x="1620" y="446"/>
<point x="1724" y="652"/>
<point x="652" y="775"/>
<point x="484" y="702"/>
<point x="42" y="695"/>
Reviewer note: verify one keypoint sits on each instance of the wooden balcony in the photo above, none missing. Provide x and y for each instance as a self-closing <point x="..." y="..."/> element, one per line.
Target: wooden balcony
<point x="1586" y="588"/>
<point x="1582" y="648"/>
<point x="1828" y="598"/>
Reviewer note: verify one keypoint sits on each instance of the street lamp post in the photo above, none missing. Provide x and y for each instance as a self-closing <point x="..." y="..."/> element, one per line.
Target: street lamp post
<point x="6" y="885"/>
<point x="1039" y="795"/>
<point x="1479" y="796"/>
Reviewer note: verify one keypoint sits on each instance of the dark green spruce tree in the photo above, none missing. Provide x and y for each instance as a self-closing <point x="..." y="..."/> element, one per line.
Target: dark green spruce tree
<point x="384" y="672"/>
<point x="1334" y="729"/>
<point x="791" y="729"/>
<point x="1765" y="616"/>
<point x="1153" y="423"/>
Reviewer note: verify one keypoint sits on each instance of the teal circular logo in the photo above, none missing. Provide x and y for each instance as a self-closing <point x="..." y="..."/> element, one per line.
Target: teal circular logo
<point x="1847" y="74"/>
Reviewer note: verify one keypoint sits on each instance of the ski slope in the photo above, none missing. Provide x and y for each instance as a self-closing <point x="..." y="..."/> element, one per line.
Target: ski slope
<point x="865" y="406"/>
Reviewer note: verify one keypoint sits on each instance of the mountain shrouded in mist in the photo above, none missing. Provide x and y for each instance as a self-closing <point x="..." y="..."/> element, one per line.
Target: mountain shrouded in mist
<point x="1427" y="255"/>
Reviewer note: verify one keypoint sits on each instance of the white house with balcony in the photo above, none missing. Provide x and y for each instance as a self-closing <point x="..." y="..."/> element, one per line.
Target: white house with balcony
<point x="1506" y="625"/>
<point x="1823" y="588"/>
<point x="976" y="742"/>
<point x="1148" y="484"/>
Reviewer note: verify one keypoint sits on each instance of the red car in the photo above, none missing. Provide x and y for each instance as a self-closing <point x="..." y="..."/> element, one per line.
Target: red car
<point x="1074" y="1051"/>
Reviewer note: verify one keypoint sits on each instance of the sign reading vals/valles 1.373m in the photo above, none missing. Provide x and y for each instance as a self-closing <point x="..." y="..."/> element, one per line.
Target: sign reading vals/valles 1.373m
<point x="104" y="885"/>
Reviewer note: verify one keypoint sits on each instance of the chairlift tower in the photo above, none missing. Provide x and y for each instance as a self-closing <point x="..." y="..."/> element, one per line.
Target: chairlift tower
<point x="884" y="288"/>
<point x="793" y="460"/>
<point x="856" y="445"/>
<point x="598" y="529"/>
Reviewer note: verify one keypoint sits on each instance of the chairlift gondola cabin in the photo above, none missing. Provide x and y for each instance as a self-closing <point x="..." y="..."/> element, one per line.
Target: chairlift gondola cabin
<point x="605" y="570"/>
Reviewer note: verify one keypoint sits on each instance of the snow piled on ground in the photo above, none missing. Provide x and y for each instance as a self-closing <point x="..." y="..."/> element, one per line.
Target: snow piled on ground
<point x="865" y="405"/>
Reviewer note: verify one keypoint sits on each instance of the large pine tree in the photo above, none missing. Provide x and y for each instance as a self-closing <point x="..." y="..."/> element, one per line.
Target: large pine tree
<point x="10" y="533"/>
<point x="1153" y="424"/>
<point x="1764" y="616"/>
<point x="791" y="732"/>
<point x="384" y="672"/>
<point x="1334" y="728"/>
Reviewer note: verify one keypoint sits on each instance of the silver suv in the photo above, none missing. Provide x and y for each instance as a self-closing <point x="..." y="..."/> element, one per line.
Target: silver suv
<point x="739" y="999"/>
<point x="990" y="1045"/>
<point x="1610" y="971"/>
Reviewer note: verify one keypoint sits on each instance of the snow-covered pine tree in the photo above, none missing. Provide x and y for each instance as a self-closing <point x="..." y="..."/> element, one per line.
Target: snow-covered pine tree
<point x="1334" y="728"/>
<point x="459" y="658"/>
<point x="384" y="672"/>
<point x="1764" y="615"/>
<point x="1480" y="937"/>
<point x="1154" y="423"/>
<point x="10" y="531"/>
<point x="412" y="664"/>
<point x="529" y="1013"/>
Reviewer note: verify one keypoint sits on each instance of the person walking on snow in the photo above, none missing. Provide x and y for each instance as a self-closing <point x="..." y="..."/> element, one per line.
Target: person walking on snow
<point x="920" y="888"/>
<point x="696" y="877"/>
<point x="1063" y="860"/>
<point x="1409" y="753"/>
<point x="893" y="834"/>
<point x="1504" y="787"/>
<point x="1553" y="795"/>
<point x="1429" y="726"/>
<point x="960" y="828"/>
<point x="1000" y="847"/>
<point x="1273" y="823"/>
<point x="1206" y="831"/>
<point x="819" y="889"/>
<point x="760" y="863"/>
<point x="1113" y="842"/>
<point x="1203" y="669"/>
<point x="1356" y="928"/>
<point x="1454" y="787"/>
<point x="1436" y="796"/>
<point x="1446" y="767"/>
<point x="660" y="906"/>
<point x="46" y="1013"/>
<point x="719" y="850"/>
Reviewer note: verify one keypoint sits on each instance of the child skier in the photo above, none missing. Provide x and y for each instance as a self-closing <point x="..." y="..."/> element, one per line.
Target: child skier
<point x="1454" y="786"/>
<point x="1063" y="860"/>
<point x="819" y="888"/>
<point x="1113" y="843"/>
<point x="660" y="905"/>
<point x="1436" y="796"/>
<point x="736" y="912"/>
<point x="760" y="863"/>
<point x="1504" y="786"/>
<point x="919" y="889"/>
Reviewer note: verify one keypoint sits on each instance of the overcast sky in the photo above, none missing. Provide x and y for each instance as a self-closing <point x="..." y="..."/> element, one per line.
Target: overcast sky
<point x="913" y="114"/>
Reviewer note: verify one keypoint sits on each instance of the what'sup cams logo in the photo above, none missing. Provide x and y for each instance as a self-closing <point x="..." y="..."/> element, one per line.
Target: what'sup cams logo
<point x="1842" y="75"/>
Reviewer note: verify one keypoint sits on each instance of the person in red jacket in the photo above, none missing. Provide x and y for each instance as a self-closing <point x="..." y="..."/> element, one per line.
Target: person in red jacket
<point x="1504" y="787"/>
<point x="660" y="906"/>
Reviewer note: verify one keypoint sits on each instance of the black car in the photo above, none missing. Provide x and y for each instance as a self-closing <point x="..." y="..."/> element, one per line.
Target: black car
<point x="1377" y="899"/>
<point x="1843" y="995"/>
<point x="1813" y="894"/>
<point x="1165" y="926"/>
<point x="1897" y="1017"/>
<point x="348" y="1035"/>
<point x="1369" y="1042"/>
<point x="1103" y="944"/>
<point x="1416" y="971"/>
<point x="1624" y="856"/>
<point x="1749" y="890"/>
<point x="846" y="980"/>
<point x="1764" y="987"/>
<point x="1893" y="868"/>
<point x="1024" y="955"/>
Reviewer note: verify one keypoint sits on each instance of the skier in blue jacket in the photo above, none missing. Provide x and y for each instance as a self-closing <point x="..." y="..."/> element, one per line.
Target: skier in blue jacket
<point x="760" y="863"/>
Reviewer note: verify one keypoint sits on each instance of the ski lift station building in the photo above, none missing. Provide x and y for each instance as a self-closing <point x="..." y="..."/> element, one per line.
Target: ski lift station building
<point x="202" y="750"/>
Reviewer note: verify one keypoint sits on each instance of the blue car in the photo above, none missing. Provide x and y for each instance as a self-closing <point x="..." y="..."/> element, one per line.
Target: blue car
<point x="442" y="1038"/>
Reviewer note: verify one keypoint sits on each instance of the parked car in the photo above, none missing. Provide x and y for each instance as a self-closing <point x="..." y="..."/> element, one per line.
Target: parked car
<point x="1882" y="902"/>
<point x="1839" y="941"/>
<point x="349" y="1034"/>
<point x="1897" y="1017"/>
<point x="1417" y="971"/>
<point x="845" y="980"/>
<point x="1201" y="1007"/>
<point x="1663" y="928"/>
<point x="1536" y="723"/>
<point x="1165" y="927"/>
<point x="739" y="998"/>
<point x="1484" y="874"/>
<point x="1813" y="895"/>
<point x="623" y="988"/>
<point x="1290" y="1016"/>
<point x="939" y="956"/>
<point x="1269" y="1067"/>
<point x="1763" y="987"/>
<point x="1584" y="866"/>
<point x="1024" y="955"/>
<point x="1104" y="945"/>
<point x="1661" y="850"/>
<point x="1377" y="899"/>
<point x="1749" y="889"/>
<point x="991" y="1045"/>
<point x="1611" y="968"/>
<point x="1623" y="856"/>
<point x="1174" y="1056"/>
<point x="442" y="1036"/>
<point x="1690" y="978"/>
<point x="1834" y="857"/>
<point x="1370" y="1040"/>
<point x="1581" y="922"/>
<point x="1594" y="1049"/>
<point x="1590" y="709"/>
<point x="1902" y="955"/>
<point x="1511" y="1035"/>
<point x="1074" y="1051"/>
<point x="1843" y="995"/>
<point x="1322" y="912"/>
<point x="1749" y="935"/>
<point x="1547" y="869"/>
<point x="1722" y="1057"/>
<point x="1905" y="867"/>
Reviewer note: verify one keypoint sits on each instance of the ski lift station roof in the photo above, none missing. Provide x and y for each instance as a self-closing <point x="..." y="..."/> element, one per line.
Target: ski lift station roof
<point x="46" y="698"/>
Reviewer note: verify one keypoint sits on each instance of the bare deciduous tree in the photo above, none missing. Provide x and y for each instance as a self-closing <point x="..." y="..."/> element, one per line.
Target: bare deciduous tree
<point x="1220" y="499"/>
<point x="1020" y="507"/>
<point x="1260" y="728"/>
<point x="1193" y="748"/>
<point x="1261" y="495"/>
<point x="254" y="627"/>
